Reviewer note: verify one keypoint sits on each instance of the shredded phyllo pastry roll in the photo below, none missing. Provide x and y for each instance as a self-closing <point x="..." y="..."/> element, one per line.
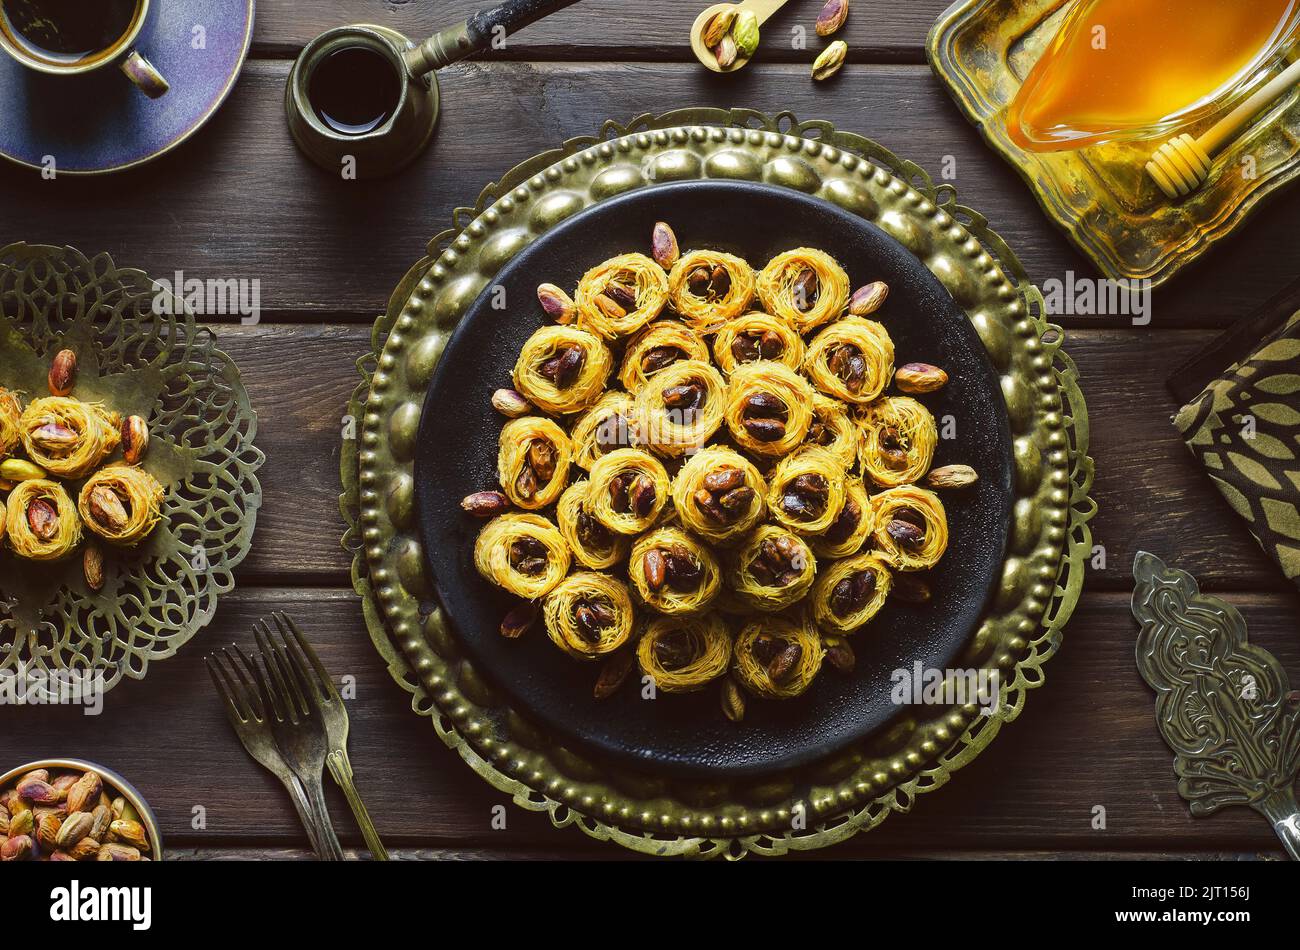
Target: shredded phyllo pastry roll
<point x="852" y="359"/>
<point x="851" y="527"/>
<point x="533" y="458"/>
<point x="121" y="504"/>
<point x="769" y="408"/>
<point x="594" y="545"/>
<point x="772" y="570"/>
<point x="719" y="494"/>
<point x="757" y="336"/>
<point x="620" y="296"/>
<point x="67" y="437"/>
<point x="833" y="429"/>
<point x="674" y="573"/>
<point x="628" y="490"/>
<point x="850" y="592"/>
<point x="682" y="654"/>
<point x="604" y="427"/>
<point x="911" y="527"/>
<point x="562" y="369"/>
<point x="805" y="492"/>
<point x="11" y="411"/>
<point x="777" y="657"/>
<point x="709" y="287"/>
<point x="898" y="441"/>
<point x="522" y="553"/>
<point x="804" y="287"/>
<point x="588" y="615"/>
<point x="656" y="348"/>
<point x="41" y="521"/>
<point x="680" y="408"/>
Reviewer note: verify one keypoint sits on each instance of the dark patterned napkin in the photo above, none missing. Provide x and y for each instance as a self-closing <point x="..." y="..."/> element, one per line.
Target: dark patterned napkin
<point x="1243" y="425"/>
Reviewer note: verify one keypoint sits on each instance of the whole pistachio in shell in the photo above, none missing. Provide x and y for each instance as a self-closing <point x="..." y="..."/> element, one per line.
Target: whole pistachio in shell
<point x="829" y="62"/>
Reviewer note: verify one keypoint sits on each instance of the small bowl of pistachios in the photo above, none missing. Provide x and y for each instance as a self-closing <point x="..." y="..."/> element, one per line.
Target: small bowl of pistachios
<point x="70" y="810"/>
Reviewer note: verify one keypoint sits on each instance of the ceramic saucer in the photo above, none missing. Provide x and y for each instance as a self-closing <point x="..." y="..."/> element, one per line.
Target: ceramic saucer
<point x="101" y="123"/>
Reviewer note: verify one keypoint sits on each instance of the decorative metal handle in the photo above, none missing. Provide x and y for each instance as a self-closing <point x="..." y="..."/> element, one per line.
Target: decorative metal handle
<point x="341" y="769"/>
<point x="330" y="849"/>
<point x="1283" y="811"/>
<point x="298" y="795"/>
<point x="478" y="32"/>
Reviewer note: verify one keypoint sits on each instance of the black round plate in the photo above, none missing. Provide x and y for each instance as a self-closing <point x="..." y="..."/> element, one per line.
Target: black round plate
<point x="687" y="735"/>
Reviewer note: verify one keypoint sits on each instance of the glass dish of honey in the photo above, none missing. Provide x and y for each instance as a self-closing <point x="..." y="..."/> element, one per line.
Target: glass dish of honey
<point x="1137" y="69"/>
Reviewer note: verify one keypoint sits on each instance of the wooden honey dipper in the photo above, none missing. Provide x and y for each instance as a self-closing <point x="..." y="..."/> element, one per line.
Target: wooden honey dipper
<point x="1182" y="164"/>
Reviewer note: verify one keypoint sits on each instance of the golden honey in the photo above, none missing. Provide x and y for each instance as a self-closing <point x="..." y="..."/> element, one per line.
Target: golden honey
<point x="1139" y="68"/>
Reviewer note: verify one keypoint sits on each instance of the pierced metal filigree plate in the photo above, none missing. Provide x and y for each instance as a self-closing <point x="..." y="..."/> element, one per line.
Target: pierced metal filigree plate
<point x="1222" y="704"/>
<point x="168" y="370"/>
<point x="860" y="786"/>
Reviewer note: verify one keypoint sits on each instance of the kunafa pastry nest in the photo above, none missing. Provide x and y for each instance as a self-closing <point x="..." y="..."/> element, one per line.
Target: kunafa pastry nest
<point x="71" y="475"/>
<point x="711" y="473"/>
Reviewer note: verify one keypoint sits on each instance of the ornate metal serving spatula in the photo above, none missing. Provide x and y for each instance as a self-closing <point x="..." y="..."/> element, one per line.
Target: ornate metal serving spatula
<point x="1224" y="706"/>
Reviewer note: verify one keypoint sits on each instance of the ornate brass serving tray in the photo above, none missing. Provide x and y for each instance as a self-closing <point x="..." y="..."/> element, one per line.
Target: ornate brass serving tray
<point x="168" y="370"/>
<point x="1100" y="196"/>
<point x="916" y="752"/>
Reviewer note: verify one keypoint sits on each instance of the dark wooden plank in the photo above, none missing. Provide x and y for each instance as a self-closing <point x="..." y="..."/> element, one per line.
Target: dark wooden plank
<point x="1086" y="739"/>
<point x="615" y="30"/>
<point x="1150" y="493"/>
<point x="239" y="201"/>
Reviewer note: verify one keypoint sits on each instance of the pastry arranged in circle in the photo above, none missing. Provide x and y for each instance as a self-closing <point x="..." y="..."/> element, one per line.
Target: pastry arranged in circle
<point x="711" y="472"/>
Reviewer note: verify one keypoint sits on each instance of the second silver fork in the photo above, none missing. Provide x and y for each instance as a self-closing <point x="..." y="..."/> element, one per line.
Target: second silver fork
<point x="299" y="733"/>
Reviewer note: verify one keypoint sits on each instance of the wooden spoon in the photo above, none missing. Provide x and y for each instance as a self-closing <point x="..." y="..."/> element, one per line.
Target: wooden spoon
<point x="763" y="9"/>
<point x="1182" y="164"/>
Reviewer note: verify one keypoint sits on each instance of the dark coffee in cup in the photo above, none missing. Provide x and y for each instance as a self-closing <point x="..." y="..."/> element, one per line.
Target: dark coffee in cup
<point x="355" y="89"/>
<point x="67" y="32"/>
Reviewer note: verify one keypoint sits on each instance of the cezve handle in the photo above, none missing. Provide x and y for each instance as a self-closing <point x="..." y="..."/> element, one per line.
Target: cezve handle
<point x="478" y="32"/>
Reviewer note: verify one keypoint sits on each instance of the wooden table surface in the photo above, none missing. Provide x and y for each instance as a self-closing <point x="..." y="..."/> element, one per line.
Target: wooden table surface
<point x="239" y="201"/>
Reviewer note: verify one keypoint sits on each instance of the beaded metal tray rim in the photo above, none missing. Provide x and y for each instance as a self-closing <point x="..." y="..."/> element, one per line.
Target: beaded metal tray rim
<point x="855" y="790"/>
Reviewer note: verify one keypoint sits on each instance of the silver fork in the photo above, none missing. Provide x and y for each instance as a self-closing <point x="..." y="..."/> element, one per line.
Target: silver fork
<point x="299" y="733"/>
<point x="234" y="674"/>
<point x="324" y="695"/>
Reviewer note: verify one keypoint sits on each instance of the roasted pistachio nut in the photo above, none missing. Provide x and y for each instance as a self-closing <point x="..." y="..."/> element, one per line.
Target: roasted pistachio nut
<point x="558" y="305"/>
<point x="47" y="831"/>
<point x="84" y="795"/>
<point x="107" y="508"/>
<point x="829" y="62"/>
<point x="129" y="832"/>
<point x="101" y="817"/>
<point x="75" y="827"/>
<point x="511" y="403"/>
<point x="663" y="246"/>
<point x="867" y="299"/>
<point x="20" y="470"/>
<point x="745" y="32"/>
<point x="733" y="700"/>
<point x="22" y="823"/>
<point x="832" y="17"/>
<point x="85" y="849"/>
<point x="36" y="790"/>
<point x="63" y="373"/>
<point x="16" y="848"/>
<point x="718" y="27"/>
<point x="92" y="563"/>
<point x="113" y="851"/>
<point x="135" y="439"/>
<point x="918" y="378"/>
<point x="952" y="476"/>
